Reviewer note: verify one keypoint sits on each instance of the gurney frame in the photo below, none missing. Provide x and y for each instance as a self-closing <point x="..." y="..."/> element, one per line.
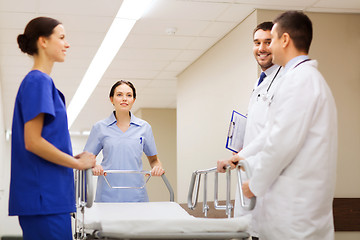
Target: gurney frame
<point x="84" y="198"/>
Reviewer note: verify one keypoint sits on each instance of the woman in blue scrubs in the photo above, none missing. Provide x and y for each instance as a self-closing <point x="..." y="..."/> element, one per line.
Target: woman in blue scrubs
<point x="42" y="182"/>
<point x="123" y="138"/>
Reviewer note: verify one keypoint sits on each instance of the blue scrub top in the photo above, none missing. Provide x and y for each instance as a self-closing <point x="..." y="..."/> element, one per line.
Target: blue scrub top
<point x="37" y="186"/>
<point x="121" y="151"/>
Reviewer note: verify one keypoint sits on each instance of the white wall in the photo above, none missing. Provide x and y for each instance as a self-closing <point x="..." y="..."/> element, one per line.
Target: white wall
<point x="218" y="82"/>
<point x="8" y="225"/>
<point x="336" y="52"/>
<point x="163" y="124"/>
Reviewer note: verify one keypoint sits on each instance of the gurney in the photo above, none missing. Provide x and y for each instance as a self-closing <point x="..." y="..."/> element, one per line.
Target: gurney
<point x="156" y="220"/>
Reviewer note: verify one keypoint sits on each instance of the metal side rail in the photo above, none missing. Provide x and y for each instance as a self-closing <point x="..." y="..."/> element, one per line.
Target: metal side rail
<point x="228" y="207"/>
<point x="84" y="192"/>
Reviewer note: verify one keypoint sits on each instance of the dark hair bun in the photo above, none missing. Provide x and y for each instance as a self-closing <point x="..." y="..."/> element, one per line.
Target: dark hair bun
<point x="23" y="42"/>
<point x="37" y="27"/>
<point x="26" y="45"/>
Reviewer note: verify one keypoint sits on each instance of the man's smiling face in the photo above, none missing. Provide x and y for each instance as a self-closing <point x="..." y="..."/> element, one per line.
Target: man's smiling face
<point x="262" y="53"/>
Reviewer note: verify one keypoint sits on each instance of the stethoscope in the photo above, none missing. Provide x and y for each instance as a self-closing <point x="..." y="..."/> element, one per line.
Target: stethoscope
<point x="265" y="95"/>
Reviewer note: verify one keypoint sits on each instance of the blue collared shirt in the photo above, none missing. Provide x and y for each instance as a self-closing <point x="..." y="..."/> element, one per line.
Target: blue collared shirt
<point x="271" y="69"/>
<point x="121" y="151"/>
<point x="294" y="61"/>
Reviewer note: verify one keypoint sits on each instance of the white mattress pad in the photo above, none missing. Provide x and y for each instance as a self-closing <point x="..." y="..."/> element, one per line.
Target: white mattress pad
<point x="155" y="217"/>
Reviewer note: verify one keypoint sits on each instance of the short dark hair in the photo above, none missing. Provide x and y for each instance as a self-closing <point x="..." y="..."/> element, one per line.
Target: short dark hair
<point x="37" y="27"/>
<point x="118" y="83"/>
<point x="266" y="26"/>
<point x="298" y="26"/>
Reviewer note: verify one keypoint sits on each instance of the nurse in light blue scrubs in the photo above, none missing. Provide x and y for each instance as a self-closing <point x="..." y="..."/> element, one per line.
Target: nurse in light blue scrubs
<point x="123" y="138"/>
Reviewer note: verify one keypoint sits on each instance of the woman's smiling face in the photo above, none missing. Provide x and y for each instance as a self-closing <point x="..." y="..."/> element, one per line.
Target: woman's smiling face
<point x="123" y="98"/>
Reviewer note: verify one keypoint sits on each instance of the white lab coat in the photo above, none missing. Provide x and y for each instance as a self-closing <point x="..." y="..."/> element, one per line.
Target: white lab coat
<point x="295" y="171"/>
<point x="257" y="109"/>
<point x="256" y="120"/>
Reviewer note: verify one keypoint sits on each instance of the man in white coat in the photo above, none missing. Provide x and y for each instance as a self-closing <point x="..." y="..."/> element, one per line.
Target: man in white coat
<point x="295" y="170"/>
<point x="257" y="108"/>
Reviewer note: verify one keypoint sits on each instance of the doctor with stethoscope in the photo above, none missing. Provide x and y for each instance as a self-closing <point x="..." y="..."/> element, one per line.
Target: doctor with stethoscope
<point x="295" y="171"/>
<point x="258" y="107"/>
<point x="263" y="88"/>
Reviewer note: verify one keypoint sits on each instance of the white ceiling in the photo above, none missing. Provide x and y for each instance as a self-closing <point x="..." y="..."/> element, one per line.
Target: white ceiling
<point x="150" y="58"/>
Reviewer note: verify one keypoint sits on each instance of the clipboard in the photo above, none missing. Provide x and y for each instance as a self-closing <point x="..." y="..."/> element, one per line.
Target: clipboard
<point x="235" y="137"/>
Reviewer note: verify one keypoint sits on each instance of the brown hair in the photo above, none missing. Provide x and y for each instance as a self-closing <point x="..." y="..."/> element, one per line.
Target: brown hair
<point x="38" y="27"/>
<point x="298" y="26"/>
<point x="266" y="26"/>
<point x="118" y="83"/>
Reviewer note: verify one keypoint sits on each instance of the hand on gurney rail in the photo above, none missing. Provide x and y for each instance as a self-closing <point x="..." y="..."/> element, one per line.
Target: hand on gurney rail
<point x="246" y="190"/>
<point x="98" y="170"/>
<point x="232" y="162"/>
<point x="156" y="166"/>
<point x="157" y="171"/>
<point x="85" y="160"/>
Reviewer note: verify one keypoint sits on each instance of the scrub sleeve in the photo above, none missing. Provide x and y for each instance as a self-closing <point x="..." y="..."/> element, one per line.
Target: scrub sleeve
<point x="37" y="186"/>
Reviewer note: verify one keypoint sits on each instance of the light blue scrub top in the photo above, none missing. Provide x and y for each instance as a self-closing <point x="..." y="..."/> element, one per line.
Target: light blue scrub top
<point x="121" y="151"/>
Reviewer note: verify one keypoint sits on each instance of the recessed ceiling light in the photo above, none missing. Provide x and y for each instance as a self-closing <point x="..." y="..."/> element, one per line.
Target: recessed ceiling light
<point x="171" y="30"/>
<point x="130" y="11"/>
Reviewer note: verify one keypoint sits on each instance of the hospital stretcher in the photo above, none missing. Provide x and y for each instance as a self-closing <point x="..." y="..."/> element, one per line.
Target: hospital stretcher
<point x="156" y="220"/>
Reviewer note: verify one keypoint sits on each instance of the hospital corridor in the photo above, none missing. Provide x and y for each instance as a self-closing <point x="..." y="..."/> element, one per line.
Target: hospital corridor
<point x="145" y="119"/>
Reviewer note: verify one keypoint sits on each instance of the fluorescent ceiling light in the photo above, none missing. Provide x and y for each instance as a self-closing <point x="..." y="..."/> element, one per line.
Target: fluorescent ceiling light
<point x="130" y="11"/>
